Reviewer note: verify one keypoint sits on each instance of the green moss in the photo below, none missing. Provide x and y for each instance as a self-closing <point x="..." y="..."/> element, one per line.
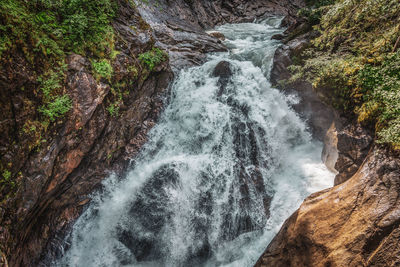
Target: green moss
<point x="7" y="180"/>
<point x="50" y="82"/>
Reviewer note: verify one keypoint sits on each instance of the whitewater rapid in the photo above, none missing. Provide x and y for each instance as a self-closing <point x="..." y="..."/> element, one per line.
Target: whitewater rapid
<point x="191" y="198"/>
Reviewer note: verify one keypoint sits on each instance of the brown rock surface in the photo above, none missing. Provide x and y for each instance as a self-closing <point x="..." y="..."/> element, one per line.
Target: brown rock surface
<point x="356" y="223"/>
<point x="354" y="143"/>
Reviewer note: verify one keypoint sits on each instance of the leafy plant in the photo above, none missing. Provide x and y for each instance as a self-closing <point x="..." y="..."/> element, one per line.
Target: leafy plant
<point x="6" y="175"/>
<point x="56" y="108"/>
<point x="381" y="87"/>
<point x="113" y="109"/>
<point x="50" y="82"/>
<point x="153" y="57"/>
<point x="102" y="69"/>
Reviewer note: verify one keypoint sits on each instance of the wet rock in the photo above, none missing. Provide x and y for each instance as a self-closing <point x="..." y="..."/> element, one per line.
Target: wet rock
<point x="57" y="177"/>
<point x="217" y="35"/>
<point x="223" y="70"/>
<point x="354" y="224"/>
<point x="179" y="25"/>
<point x="86" y="94"/>
<point x="278" y="37"/>
<point x="72" y="163"/>
<point x="76" y="62"/>
<point x="249" y="180"/>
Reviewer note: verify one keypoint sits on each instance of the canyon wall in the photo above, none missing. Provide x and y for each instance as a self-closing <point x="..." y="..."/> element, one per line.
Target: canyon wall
<point x="55" y="174"/>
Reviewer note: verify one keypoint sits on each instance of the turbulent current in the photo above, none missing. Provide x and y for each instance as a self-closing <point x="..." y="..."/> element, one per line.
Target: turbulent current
<point x="226" y="164"/>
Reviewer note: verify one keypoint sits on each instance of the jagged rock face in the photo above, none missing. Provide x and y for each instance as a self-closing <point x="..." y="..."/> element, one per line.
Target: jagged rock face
<point x="88" y="145"/>
<point x="345" y="149"/>
<point x="353" y="224"/>
<point x="244" y="142"/>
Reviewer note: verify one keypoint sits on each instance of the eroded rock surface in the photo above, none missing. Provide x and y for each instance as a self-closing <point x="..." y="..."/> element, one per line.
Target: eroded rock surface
<point x="356" y="223"/>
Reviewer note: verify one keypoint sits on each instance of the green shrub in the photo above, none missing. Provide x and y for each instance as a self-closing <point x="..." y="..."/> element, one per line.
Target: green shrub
<point x="56" y="108"/>
<point x="49" y="83"/>
<point x="102" y="69"/>
<point x="57" y="26"/>
<point x="314" y="10"/>
<point x="390" y="134"/>
<point x="113" y="109"/>
<point x="319" y="3"/>
<point x="153" y="57"/>
<point x="6" y="175"/>
<point x="380" y="86"/>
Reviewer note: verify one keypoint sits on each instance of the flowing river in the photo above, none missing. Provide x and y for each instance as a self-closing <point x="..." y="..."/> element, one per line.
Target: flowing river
<point x="227" y="163"/>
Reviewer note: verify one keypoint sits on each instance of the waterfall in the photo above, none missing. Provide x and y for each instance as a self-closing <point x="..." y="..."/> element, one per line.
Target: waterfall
<point x="226" y="164"/>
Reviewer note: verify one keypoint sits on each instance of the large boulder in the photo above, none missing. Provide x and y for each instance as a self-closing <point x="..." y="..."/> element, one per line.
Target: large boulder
<point x="223" y="70"/>
<point x="356" y="223"/>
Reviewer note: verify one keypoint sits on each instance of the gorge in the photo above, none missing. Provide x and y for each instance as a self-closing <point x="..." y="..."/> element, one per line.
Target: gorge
<point x="166" y="143"/>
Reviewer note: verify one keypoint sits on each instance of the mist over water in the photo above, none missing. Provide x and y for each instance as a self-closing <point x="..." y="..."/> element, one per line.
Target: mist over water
<point x="218" y="176"/>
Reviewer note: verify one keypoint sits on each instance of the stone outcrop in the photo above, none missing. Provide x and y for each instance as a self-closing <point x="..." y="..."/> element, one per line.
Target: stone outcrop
<point x="353" y="145"/>
<point x="330" y="151"/>
<point x="246" y="151"/>
<point x="346" y="149"/>
<point x="356" y="223"/>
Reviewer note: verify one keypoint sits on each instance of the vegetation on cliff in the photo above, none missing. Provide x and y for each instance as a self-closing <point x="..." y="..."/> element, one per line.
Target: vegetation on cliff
<point x="354" y="61"/>
<point x="35" y="39"/>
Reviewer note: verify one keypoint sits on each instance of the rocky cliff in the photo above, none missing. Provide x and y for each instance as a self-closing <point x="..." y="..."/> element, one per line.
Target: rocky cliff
<point x="71" y="114"/>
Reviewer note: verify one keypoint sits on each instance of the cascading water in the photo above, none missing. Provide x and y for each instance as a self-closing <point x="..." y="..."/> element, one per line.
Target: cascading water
<point x="226" y="164"/>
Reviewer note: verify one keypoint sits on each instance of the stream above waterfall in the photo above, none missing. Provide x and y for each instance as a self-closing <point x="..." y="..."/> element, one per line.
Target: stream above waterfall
<point x="227" y="163"/>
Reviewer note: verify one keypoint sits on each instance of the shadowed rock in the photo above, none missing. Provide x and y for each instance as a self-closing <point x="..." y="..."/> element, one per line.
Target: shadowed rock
<point x="224" y="71"/>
